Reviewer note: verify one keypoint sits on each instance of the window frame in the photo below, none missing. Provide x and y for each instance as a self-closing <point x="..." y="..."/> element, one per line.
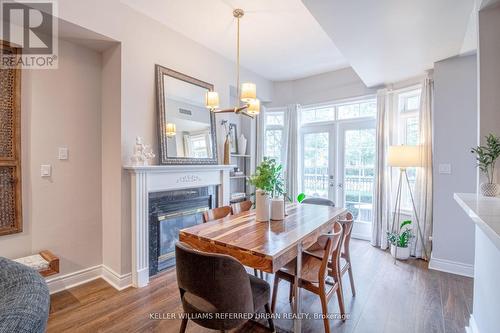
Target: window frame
<point x="274" y="127"/>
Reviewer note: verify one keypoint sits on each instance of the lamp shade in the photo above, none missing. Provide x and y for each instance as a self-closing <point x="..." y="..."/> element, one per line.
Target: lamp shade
<point x="404" y="156"/>
<point x="212" y="100"/>
<point x="170" y="129"/>
<point x="254" y="107"/>
<point x="248" y="92"/>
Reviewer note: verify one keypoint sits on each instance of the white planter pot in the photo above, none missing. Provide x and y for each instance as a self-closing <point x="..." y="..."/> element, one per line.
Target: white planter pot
<point x="489" y="189"/>
<point x="403" y="253"/>
<point x="262" y="203"/>
<point x="277" y="209"/>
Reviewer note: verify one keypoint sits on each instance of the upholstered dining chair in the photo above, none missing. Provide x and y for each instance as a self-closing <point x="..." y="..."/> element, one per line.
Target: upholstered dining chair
<point x="314" y="273"/>
<point x="319" y="201"/>
<point x="239" y="207"/>
<point x="213" y="284"/>
<point x="339" y="268"/>
<point x="216" y="213"/>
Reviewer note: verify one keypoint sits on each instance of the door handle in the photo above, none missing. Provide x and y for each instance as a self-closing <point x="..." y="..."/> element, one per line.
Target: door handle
<point x="340" y="185"/>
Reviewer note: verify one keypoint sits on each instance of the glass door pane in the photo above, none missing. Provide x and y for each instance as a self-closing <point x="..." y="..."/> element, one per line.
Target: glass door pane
<point x="357" y="174"/>
<point x="316" y="163"/>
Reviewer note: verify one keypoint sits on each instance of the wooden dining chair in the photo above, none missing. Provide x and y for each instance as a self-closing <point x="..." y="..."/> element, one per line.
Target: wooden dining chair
<point x="216" y="213"/>
<point x="339" y="268"/>
<point x="225" y="290"/>
<point x="242" y="206"/>
<point x="314" y="273"/>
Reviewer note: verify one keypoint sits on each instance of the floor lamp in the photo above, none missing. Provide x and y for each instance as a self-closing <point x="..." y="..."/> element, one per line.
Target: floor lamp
<point x="404" y="157"/>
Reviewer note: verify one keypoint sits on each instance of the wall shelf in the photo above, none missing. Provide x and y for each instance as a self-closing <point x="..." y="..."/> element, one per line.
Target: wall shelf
<point x="242" y="156"/>
<point x="237" y="177"/>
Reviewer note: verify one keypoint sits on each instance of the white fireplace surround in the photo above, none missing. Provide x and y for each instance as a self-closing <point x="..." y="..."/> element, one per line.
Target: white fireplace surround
<point x="157" y="178"/>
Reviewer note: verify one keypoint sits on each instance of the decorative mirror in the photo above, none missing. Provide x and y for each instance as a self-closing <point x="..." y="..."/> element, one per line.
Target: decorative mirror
<point x="186" y="127"/>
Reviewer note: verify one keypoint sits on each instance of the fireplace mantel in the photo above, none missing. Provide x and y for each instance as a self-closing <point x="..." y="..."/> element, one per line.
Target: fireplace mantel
<point x="156" y="178"/>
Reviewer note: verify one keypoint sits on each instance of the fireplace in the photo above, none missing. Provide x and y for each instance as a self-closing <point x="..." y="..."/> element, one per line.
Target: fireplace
<point x="169" y="212"/>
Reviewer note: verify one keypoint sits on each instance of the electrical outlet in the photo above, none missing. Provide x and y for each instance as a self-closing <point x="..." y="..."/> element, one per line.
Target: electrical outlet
<point x="45" y="170"/>
<point x="444" y="169"/>
<point x="63" y="153"/>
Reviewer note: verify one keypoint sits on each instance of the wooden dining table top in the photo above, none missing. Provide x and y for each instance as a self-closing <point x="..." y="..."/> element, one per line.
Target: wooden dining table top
<point x="266" y="246"/>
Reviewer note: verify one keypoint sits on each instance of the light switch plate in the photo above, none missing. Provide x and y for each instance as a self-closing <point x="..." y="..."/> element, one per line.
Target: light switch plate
<point x="45" y="170"/>
<point x="63" y="153"/>
<point x="444" y="169"/>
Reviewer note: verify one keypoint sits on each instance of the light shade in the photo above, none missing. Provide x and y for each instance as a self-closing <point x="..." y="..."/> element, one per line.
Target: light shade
<point x="212" y="100"/>
<point x="248" y="92"/>
<point x="170" y="129"/>
<point x="254" y="107"/>
<point x="404" y="156"/>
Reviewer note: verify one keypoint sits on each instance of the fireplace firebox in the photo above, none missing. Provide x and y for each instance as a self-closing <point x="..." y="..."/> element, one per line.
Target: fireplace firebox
<point x="169" y="212"/>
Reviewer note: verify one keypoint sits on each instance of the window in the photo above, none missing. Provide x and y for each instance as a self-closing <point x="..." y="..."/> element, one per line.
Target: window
<point x="273" y="136"/>
<point x="408" y="134"/>
<point x="365" y="108"/>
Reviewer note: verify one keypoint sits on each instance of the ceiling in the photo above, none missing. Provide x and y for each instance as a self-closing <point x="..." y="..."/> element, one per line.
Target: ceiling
<point x="387" y="41"/>
<point x="280" y="39"/>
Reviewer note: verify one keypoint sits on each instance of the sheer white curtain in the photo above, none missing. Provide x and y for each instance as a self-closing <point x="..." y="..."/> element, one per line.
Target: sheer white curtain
<point x="423" y="185"/>
<point x="290" y="151"/>
<point x="383" y="180"/>
<point x="260" y="133"/>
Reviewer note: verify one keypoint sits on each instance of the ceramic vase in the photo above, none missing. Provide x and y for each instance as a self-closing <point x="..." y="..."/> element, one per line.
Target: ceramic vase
<point x="403" y="253"/>
<point x="227" y="150"/>
<point x="277" y="209"/>
<point x="489" y="189"/>
<point x="242" y="145"/>
<point x="261" y="206"/>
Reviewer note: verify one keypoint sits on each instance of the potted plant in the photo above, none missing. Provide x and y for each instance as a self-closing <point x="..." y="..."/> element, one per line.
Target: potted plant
<point x="269" y="185"/>
<point x="401" y="241"/>
<point x="486" y="157"/>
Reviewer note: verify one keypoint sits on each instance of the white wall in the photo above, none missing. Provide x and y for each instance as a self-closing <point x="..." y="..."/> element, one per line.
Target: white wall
<point x="454" y="120"/>
<point x="61" y="213"/>
<point x="489" y="74"/>
<point x="144" y="43"/>
<point x="327" y="87"/>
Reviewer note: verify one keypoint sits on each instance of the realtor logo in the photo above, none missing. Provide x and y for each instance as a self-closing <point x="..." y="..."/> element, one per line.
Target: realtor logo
<point x="31" y="27"/>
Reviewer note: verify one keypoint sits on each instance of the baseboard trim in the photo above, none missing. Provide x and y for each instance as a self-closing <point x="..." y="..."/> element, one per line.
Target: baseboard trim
<point x="361" y="236"/>
<point x="74" y="279"/>
<point x="453" y="267"/>
<point x="117" y="281"/>
<point x="472" y="328"/>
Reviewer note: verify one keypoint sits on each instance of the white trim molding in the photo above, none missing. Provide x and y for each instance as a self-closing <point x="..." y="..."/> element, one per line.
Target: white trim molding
<point x="157" y="178"/>
<point x="63" y="282"/>
<point x="453" y="267"/>
<point x="119" y="282"/>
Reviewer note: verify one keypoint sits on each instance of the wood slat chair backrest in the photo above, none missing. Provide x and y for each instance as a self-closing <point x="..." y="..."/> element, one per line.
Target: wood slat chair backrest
<point x="330" y="243"/>
<point x="239" y="207"/>
<point x="216" y="213"/>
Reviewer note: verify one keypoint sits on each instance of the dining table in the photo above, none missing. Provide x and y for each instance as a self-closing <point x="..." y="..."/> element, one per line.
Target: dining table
<point x="268" y="245"/>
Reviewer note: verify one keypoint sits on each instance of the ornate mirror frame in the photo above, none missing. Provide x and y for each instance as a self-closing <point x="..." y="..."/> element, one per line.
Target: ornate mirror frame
<point x="162" y="121"/>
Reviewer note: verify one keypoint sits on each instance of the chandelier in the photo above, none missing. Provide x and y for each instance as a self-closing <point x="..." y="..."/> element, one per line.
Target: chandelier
<point x="248" y="91"/>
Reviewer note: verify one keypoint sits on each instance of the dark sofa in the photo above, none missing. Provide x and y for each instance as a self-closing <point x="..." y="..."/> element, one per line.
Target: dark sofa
<point x="24" y="299"/>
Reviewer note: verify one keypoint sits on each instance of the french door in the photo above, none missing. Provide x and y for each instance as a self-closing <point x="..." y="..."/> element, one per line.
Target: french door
<point x="338" y="163"/>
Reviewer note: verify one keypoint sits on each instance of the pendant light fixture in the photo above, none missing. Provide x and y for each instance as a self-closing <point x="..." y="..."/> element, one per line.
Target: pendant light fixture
<point x="247" y="93"/>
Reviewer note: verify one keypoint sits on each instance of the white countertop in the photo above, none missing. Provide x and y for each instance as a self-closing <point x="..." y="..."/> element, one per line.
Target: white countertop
<point x="484" y="211"/>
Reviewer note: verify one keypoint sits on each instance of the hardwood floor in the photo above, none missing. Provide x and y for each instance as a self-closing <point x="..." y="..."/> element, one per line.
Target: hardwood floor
<point x="406" y="297"/>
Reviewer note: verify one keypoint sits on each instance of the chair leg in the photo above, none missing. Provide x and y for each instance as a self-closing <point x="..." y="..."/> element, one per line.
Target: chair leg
<point x="351" y="280"/>
<point x="275" y="293"/>
<point x="270" y="319"/>
<point x="324" y="308"/>
<point x="340" y="298"/>
<point x="183" y="325"/>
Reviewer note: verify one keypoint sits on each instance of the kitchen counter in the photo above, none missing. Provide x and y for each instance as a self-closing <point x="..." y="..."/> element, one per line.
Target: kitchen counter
<point x="485" y="214"/>
<point x="484" y="211"/>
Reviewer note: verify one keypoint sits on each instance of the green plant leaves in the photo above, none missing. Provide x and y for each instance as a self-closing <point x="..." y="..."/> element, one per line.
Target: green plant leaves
<point x="301" y="197"/>
<point x="407" y="222"/>
<point x="269" y="177"/>
<point x="486" y="156"/>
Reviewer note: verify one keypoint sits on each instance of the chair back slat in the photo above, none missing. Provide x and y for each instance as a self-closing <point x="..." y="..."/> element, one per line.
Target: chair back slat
<point x="330" y="244"/>
<point x="239" y="207"/>
<point x="216" y="213"/>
